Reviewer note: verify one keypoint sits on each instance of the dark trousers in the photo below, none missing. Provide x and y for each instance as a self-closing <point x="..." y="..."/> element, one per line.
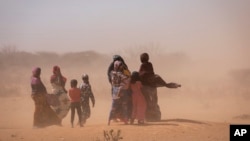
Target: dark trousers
<point x="77" y="106"/>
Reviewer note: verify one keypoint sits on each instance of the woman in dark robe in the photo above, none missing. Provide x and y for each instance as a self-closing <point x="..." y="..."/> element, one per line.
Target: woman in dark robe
<point x="43" y="115"/>
<point x="150" y="82"/>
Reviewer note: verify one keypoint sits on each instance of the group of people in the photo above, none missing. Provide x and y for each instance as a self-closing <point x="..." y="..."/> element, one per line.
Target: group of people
<point x="134" y="95"/>
<point x="51" y="108"/>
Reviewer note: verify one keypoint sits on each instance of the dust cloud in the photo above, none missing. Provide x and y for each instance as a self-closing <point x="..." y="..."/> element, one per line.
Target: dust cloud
<point x="213" y="88"/>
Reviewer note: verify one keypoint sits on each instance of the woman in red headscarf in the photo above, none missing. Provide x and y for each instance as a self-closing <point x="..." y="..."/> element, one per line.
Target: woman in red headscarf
<point x="57" y="79"/>
<point x="59" y="100"/>
<point x="43" y="115"/>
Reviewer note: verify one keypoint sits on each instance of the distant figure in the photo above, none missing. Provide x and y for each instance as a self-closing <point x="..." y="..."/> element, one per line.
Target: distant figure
<point x="43" y="115"/>
<point x="139" y="103"/>
<point x="75" y="97"/>
<point x="59" y="100"/>
<point x="119" y="83"/>
<point x="86" y="94"/>
<point x="150" y="82"/>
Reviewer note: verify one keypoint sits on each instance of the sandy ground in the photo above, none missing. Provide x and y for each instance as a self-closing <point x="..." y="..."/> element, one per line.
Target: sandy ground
<point x="176" y="125"/>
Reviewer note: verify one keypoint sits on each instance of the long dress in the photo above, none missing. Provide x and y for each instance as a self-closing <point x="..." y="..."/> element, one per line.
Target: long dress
<point x="120" y="98"/>
<point x="43" y="114"/>
<point x="139" y="102"/>
<point x="59" y="100"/>
<point x="86" y="96"/>
<point x="149" y="90"/>
<point x="153" y="112"/>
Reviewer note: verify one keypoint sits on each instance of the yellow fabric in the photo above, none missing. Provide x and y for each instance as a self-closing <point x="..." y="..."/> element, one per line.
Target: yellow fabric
<point x="126" y="72"/>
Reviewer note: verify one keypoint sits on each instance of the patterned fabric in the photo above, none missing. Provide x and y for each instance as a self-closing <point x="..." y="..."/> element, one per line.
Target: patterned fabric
<point x="120" y="96"/>
<point x="119" y="81"/>
<point x="111" y="66"/>
<point x="59" y="101"/>
<point x="86" y="94"/>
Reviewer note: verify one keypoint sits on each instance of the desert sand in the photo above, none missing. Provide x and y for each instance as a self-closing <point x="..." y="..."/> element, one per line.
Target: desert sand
<point x="210" y="99"/>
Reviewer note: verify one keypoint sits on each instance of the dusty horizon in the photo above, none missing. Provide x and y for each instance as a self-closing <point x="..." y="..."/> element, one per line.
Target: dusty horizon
<point x="203" y="45"/>
<point x="213" y="95"/>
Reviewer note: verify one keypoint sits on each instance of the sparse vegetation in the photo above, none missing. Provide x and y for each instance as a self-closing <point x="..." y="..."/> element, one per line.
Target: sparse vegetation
<point x="16" y="66"/>
<point x="111" y="135"/>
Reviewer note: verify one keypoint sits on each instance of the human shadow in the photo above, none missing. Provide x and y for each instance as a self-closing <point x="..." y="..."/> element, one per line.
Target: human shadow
<point x="169" y="122"/>
<point x="156" y="123"/>
<point x="178" y="120"/>
<point x="174" y="122"/>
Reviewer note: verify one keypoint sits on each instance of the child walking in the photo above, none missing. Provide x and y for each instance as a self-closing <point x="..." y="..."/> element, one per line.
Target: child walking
<point x="86" y="94"/>
<point x="75" y="97"/>
<point x="139" y="103"/>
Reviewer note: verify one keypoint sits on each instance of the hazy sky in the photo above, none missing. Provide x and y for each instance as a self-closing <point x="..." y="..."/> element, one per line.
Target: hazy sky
<point x="178" y="25"/>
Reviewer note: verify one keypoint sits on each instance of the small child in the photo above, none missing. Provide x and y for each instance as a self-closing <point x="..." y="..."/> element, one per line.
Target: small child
<point x="139" y="103"/>
<point x="75" y="97"/>
<point x="86" y="94"/>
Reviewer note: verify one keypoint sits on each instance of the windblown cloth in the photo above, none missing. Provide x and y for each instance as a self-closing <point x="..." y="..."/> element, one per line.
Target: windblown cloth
<point x="59" y="101"/>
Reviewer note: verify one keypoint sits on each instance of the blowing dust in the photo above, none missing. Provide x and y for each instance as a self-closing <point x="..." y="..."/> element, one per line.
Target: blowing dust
<point x="213" y="89"/>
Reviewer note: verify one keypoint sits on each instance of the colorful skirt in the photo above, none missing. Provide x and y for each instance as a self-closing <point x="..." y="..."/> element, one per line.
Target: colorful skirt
<point x="59" y="102"/>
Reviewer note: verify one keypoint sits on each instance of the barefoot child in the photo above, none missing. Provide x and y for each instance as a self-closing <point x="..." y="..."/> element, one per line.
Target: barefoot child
<point x="75" y="97"/>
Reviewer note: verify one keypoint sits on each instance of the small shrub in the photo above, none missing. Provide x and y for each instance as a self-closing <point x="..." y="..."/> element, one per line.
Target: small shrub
<point x="111" y="135"/>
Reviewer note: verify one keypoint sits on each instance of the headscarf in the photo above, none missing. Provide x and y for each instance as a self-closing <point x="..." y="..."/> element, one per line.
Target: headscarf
<point x="36" y="72"/>
<point x="35" y="79"/>
<point x="85" y="78"/>
<point x="56" y="69"/>
<point x="117" y="57"/>
<point x="36" y="83"/>
<point x="57" y="77"/>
